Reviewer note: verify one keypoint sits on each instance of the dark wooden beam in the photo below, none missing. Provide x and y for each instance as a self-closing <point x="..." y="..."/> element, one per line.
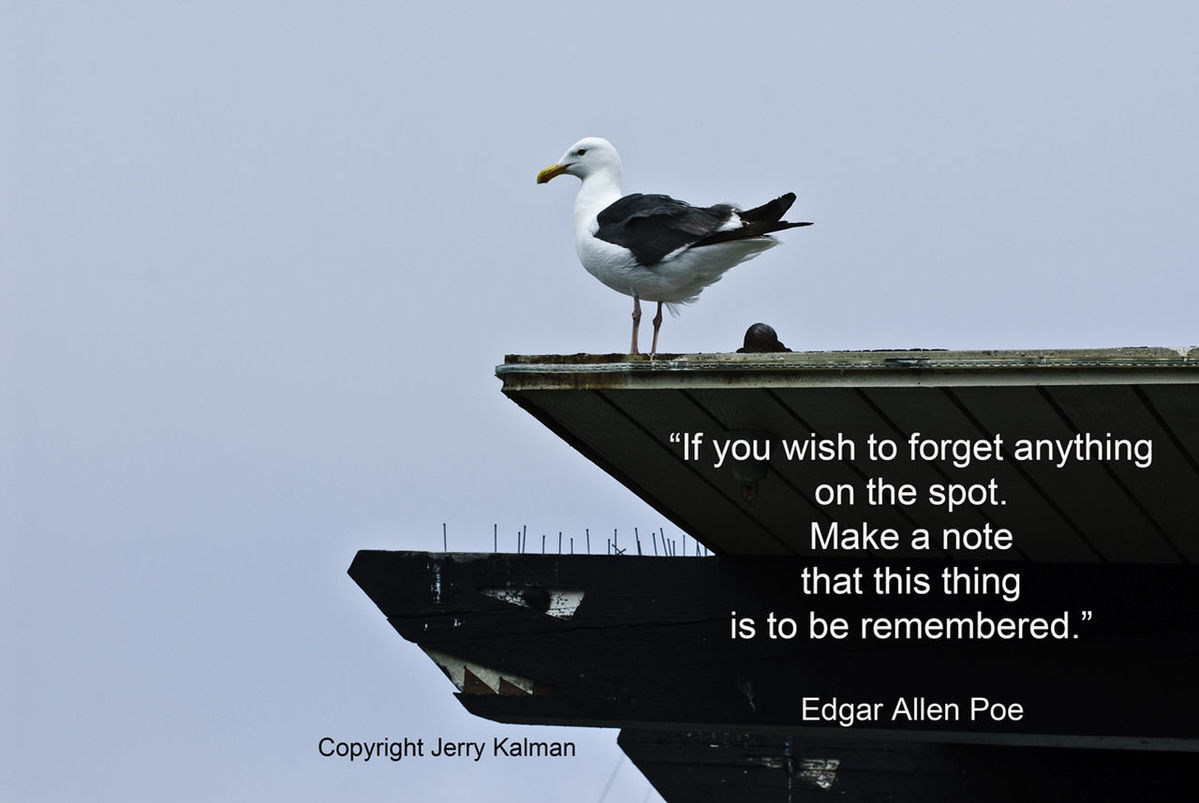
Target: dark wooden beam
<point x="755" y="768"/>
<point x="636" y="642"/>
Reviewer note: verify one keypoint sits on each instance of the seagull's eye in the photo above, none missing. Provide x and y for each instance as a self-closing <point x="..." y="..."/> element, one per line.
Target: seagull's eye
<point x="581" y="151"/>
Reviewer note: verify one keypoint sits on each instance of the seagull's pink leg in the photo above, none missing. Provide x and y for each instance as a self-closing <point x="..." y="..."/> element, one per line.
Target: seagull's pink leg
<point x="657" y="323"/>
<point x="636" y="324"/>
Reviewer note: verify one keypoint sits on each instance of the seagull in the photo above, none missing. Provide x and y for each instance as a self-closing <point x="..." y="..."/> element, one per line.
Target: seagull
<point x="655" y="247"/>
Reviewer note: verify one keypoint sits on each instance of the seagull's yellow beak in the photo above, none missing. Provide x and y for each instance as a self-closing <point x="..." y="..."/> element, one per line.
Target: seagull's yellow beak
<point x="550" y="172"/>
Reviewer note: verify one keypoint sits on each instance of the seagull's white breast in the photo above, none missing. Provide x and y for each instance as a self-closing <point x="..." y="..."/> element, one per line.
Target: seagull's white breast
<point x="612" y="264"/>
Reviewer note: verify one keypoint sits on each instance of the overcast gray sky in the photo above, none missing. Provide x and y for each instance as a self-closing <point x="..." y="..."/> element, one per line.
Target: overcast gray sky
<point x="260" y="260"/>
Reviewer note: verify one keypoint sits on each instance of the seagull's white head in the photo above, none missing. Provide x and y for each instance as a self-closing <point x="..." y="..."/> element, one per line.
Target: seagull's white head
<point x="585" y="158"/>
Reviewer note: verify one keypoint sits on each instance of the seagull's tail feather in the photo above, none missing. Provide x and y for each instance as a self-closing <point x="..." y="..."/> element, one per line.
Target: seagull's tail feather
<point x="771" y="212"/>
<point x="758" y="221"/>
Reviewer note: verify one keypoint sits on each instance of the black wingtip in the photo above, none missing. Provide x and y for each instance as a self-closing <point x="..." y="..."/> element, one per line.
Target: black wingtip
<point x="770" y="212"/>
<point x="783" y="225"/>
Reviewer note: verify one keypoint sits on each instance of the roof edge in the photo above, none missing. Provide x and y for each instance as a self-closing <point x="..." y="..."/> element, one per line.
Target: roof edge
<point x="910" y="367"/>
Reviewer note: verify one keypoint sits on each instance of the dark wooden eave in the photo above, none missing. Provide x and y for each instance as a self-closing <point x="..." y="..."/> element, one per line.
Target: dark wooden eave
<point x="619" y="411"/>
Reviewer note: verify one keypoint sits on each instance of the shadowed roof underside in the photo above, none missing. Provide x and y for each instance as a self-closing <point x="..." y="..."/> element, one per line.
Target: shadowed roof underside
<point x="620" y="412"/>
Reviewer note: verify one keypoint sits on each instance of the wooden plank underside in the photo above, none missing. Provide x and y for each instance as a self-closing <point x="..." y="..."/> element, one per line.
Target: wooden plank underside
<point x="645" y="465"/>
<point x="1178" y="406"/>
<point x="1085" y="492"/>
<point x="777" y="507"/>
<point x="761" y="413"/>
<point x="1166" y="489"/>
<point x="1089" y="510"/>
<point x="850" y="411"/>
<point x="936" y="414"/>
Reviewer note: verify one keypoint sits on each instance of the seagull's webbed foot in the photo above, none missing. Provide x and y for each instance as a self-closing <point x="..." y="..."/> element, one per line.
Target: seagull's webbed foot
<point x="637" y="325"/>
<point x="657" y="325"/>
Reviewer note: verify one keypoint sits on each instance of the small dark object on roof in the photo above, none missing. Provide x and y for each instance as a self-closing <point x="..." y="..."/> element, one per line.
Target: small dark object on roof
<point x="761" y="338"/>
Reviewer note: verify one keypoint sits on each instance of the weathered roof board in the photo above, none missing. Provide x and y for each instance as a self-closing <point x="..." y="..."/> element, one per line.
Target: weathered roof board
<point x="620" y="411"/>
<point x="756" y="767"/>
